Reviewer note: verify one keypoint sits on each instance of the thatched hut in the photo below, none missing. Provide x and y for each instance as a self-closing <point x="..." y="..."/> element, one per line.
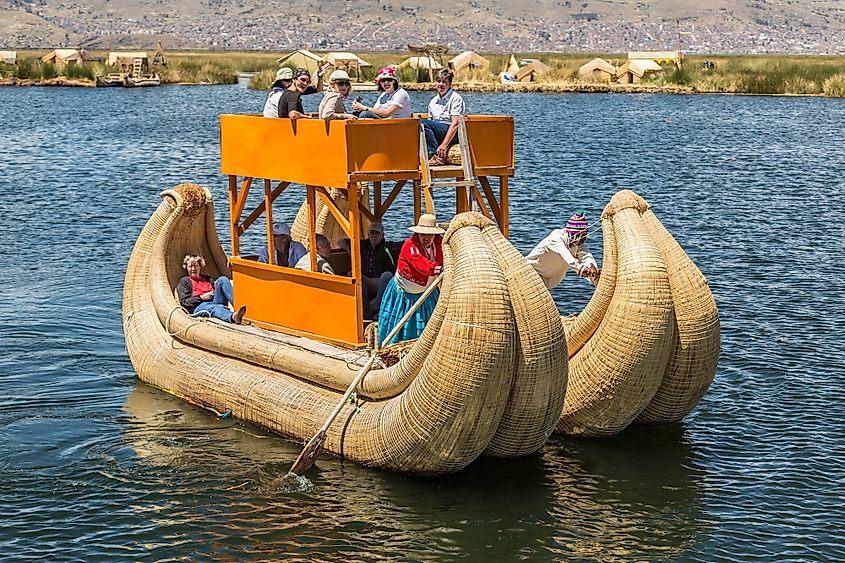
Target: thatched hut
<point x="303" y="58"/>
<point x="8" y="57"/>
<point x="597" y="70"/>
<point x="64" y="56"/>
<point x="125" y="60"/>
<point x="467" y="62"/>
<point x="531" y="71"/>
<point x="350" y="62"/>
<point x="632" y="72"/>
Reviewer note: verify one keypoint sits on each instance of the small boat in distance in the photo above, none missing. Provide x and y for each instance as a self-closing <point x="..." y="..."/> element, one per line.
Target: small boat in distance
<point x="139" y="81"/>
<point x="112" y="79"/>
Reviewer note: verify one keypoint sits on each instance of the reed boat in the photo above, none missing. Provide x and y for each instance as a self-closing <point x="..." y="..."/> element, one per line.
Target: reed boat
<point x="111" y="80"/>
<point x="496" y="369"/>
<point x="142" y="80"/>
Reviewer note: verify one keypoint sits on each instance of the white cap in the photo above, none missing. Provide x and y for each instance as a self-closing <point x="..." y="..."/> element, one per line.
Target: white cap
<point x="281" y="229"/>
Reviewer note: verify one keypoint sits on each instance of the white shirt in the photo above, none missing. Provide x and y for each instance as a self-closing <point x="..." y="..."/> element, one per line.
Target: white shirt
<point x="553" y="257"/>
<point x="399" y="98"/>
<point x="271" y="106"/>
<point x="322" y="264"/>
<point x="443" y="108"/>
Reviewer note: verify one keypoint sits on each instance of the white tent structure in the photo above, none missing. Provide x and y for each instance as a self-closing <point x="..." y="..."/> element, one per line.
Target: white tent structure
<point x="9" y="57"/>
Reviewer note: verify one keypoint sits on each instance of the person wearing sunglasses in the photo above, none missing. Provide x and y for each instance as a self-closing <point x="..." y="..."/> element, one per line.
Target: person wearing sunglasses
<point x="290" y="104"/>
<point x="392" y="102"/>
<point x="332" y="106"/>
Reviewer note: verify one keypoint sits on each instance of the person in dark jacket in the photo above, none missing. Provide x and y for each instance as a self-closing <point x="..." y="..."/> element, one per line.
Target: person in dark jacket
<point x="202" y="296"/>
<point x="378" y="264"/>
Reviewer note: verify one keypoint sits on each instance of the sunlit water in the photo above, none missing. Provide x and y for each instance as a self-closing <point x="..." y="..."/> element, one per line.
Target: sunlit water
<point x="94" y="464"/>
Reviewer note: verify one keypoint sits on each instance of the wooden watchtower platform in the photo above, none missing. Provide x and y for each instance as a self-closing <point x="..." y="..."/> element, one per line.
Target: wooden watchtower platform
<point x="305" y="158"/>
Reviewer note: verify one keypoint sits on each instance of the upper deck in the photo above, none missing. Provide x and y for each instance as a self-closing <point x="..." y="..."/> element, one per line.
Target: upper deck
<point x="335" y="153"/>
<point x="373" y="163"/>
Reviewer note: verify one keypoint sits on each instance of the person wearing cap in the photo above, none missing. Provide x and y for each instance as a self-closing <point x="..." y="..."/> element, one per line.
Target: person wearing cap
<point x="378" y="264"/>
<point x="420" y="259"/>
<point x="564" y="250"/>
<point x="332" y="106"/>
<point x="324" y="248"/>
<point x="444" y="111"/>
<point x="288" y="252"/>
<point x="392" y="102"/>
<point x="203" y="296"/>
<point x="284" y="98"/>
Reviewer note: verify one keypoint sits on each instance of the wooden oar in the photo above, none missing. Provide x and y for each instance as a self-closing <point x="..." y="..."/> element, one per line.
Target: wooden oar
<point x="314" y="447"/>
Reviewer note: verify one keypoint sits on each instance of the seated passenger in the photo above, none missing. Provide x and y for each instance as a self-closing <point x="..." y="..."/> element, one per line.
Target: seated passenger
<point x="564" y="250"/>
<point x="392" y="102"/>
<point x="284" y="77"/>
<point x="441" y="127"/>
<point x="290" y="104"/>
<point x="288" y="252"/>
<point x="420" y="259"/>
<point x="339" y="88"/>
<point x="202" y="296"/>
<point x="324" y="248"/>
<point x="378" y="264"/>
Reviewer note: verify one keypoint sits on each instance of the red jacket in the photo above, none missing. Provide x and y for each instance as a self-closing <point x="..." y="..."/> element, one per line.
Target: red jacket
<point x="414" y="264"/>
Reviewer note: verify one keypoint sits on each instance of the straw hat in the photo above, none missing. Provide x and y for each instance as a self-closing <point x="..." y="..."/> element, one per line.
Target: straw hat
<point x="427" y="225"/>
<point x="339" y="76"/>
<point x="284" y="73"/>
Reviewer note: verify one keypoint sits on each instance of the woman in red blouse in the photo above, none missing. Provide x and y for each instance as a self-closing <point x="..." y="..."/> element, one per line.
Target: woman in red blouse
<point x="202" y="296"/>
<point x="420" y="260"/>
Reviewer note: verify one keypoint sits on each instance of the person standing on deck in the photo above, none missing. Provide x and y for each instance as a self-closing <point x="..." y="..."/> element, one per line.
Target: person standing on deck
<point x="288" y="252"/>
<point x="563" y="250"/>
<point x="444" y="111"/>
<point x="420" y="260"/>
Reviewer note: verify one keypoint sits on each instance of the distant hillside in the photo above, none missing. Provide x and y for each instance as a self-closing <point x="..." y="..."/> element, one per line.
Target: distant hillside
<point x="720" y="26"/>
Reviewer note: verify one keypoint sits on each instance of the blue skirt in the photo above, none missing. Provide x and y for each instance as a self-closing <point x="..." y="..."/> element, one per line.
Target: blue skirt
<point x="394" y="304"/>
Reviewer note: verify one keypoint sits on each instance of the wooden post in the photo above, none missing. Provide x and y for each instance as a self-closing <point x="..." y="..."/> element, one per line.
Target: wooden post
<point x="417" y="202"/>
<point x="312" y="227"/>
<point x="268" y="212"/>
<point x="355" y="252"/>
<point x="233" y="221"/>
<point x="377" y="200"/>
<point x="503" y="205"/>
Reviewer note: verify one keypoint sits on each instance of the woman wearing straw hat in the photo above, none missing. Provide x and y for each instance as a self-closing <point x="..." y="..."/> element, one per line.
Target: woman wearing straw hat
<point x="392" y="102"/>
<point x="332" y="105"/>
<point x="420" y="260"/>
<point x="563" y="250"/>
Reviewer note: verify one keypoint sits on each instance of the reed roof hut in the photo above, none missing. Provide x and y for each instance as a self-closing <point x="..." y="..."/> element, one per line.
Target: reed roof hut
<point x="420" y="62"/>
<point x="598" y="70"/>
<point x="302" y="58"/>
<point x="350" y="62"/>
<point x="467" y="62"/>
<point x="9" y="57"/>
<point x="64" y="56"/>
<point x="632" y="72"/>
<point x="530" y="72"/>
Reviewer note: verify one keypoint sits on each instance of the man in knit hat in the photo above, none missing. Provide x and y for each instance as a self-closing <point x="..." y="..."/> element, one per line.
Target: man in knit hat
<point x="563" y="250"/>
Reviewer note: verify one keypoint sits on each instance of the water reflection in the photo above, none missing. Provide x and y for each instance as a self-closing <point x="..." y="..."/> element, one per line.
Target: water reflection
<point x="633" y="496"/>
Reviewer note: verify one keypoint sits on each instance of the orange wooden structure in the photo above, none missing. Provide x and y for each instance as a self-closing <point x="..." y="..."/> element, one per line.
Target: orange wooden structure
<point x="318" y="154"/>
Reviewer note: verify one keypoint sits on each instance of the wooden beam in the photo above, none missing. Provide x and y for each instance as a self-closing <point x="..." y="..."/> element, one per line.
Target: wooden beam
<point x="480" y="201"/>
<point x="491" y="198"/>
<point x="256" y="213"/>
<point x="311" y="204"/>
<point x="417" y="202"/>
<point x="366" y="212"/>
<point x="355" y="254"/>
<point x="390" y="197"/>
<point x="241" y="201"/>
<point x="342" y="221"/>
<point x="233" y="221"/>
<point x="268" y="204"/>
<point x="377" y="199"/>
<point x="503" y="203"/>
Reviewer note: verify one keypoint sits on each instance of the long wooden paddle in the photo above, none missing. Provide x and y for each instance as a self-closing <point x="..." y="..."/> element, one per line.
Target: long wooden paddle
<point x="314" y="447"/>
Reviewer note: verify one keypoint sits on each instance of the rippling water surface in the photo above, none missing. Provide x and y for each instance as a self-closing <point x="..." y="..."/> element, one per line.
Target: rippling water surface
<point x="94" y="464"/>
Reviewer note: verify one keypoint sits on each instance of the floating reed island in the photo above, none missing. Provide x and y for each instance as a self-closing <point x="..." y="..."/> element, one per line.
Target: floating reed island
<point x="496" y="369"/>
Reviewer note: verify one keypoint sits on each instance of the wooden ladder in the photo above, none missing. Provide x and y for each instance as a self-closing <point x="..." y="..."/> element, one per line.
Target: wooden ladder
<point x="468" y="180"/>
<point x="136" y="68"/>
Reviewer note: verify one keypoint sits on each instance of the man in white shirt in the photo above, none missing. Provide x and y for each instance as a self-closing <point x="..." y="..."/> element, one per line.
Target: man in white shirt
<point x="441" y="127"/>
<point x="324" y="248"/>
<point x="564" y="250"/>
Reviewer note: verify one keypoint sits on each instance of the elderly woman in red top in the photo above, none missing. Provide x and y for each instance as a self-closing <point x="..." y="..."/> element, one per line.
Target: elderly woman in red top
<point x="202" y="296"/>
<point x="420" y="260"/>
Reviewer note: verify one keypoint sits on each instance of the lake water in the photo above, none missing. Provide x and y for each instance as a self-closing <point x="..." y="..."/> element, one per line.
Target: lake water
<point x="96" y="465"/>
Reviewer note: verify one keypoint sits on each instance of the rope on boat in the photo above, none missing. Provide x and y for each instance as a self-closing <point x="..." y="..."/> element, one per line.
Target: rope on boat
<point x="167" y="322"/>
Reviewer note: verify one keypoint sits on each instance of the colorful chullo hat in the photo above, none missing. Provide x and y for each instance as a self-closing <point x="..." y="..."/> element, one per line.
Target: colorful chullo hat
<point x="576" y="228"/>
